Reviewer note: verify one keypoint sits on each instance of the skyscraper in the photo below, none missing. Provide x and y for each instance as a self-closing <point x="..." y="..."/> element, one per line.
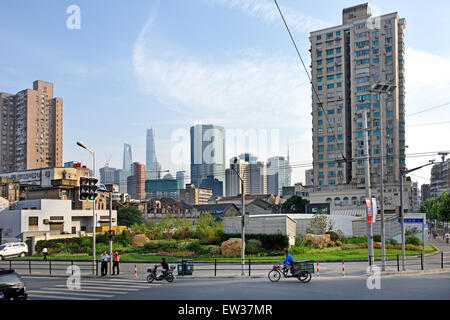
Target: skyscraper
<point x="152" y="164"/>
<point x="107" y="175"/>
<point x="32" y="130"/>
<point x="136" y="181"/>
<point x="127" y="157"/>
<point x="181" y="178"/>
<point x="207" y="153"/>
<point x="278" y="175"/>
<point x="253" y="172"/>
<point x="347" y="60"/>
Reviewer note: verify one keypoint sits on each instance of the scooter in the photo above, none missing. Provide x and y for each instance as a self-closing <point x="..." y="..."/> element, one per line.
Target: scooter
<point x="168" y="275"/>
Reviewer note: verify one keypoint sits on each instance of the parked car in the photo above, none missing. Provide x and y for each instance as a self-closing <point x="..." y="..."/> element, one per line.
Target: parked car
<point x="13" y="249"/>
<point x="12" y="286"/>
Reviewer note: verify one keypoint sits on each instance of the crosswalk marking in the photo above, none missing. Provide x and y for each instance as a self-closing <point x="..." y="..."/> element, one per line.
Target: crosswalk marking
<point x="115" y="285"/>
<point x="71" y="293"/>
<point x="49" y="296"/>
<point x="92" y="286"/>
<point x="80" y="290"/>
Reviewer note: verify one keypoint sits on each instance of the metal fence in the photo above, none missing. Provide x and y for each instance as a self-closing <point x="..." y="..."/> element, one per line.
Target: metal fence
<point x="229" y="267"/>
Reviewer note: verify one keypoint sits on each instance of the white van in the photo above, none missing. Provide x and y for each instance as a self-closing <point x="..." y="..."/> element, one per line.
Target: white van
<point x="13" y="249"/>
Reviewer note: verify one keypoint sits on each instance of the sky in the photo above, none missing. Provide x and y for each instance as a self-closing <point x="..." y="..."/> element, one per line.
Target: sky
<point x="174" y="63"/>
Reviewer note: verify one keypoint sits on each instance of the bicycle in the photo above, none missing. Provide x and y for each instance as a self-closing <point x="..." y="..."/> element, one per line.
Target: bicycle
<point x="276" y="273"/>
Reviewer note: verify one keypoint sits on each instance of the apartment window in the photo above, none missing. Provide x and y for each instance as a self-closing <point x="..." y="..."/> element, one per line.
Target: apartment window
<point x="362" y="61"/>
<point x="376" y="43"/>
<point x="339" y="137"/>
<point x="319" y="71"/>
<point x="33" y="221"/>
<point x="330" y="77"/>
<point x="319" y="54"/>
<point x="362" y="35"/>
<point x="330" y="112"/>
<point x="360" y="26"/>
<point x="376" y="60"/>
<point x="319" y="79"/>
<point x="329" y="35"/>
<point x="330" y="86"/>
<point x="330" y="69"/>
<point x="319" y="37"/>
<point x="388" y="40"/>
<point x="362" y="52"/>
<point x="360" y="44"/>
<point x="330" y="52"/>
<point x="338" y="33"/>
<point x="319" y="62"/>
<point x="339" y="68"/>
<point x="319" y="88"/>
<point x="338" y="50"/>
<point x="339" y="76"/>
<point x="330" y="60"/>
<point x="388" y="59"/>
<point x="339" y="84"/>
<point x="375" y="51"/>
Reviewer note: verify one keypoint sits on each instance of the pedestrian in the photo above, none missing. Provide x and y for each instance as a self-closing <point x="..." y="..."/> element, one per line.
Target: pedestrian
<point x="104" y="258"/>
<point x="45" y="253"/>
<point x="447" y="237"/>
<point x="116" y="259"/>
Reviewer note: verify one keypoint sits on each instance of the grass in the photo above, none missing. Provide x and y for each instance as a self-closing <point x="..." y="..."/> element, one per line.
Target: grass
<point x="332" y="253"/>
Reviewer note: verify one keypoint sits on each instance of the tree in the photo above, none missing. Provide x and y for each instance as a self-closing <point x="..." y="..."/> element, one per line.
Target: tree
<point x="320" y="223"/>
<point x="207" y="226"/>
<point x="295" y="204"/>
<point x="444" y="206"/>
<point x="127" y="216"/>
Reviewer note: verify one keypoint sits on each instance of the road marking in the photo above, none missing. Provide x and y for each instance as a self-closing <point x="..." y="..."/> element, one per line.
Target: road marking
<point x="48" y="297"/>
<point x="114" y="285"/>
<point x="80" y="290"/>
<point x="72" y="293"/>
<point x="92" y="286"/>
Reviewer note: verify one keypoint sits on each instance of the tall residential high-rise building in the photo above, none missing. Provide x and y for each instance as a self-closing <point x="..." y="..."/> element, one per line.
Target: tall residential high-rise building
<point x="152" y="164"/>
<point x="278" y="175"/>
<point x="207" y="153"/>
<point x="127" y="157"/>
<point x="121" y="179"/>
<point x="136" y="181"/>
<point x="424" y="193"/>
<point x="347" y="60"/>
<point x="107" y="175"/>
<point x="32" y="128"/>
<point x="440" y="179"/>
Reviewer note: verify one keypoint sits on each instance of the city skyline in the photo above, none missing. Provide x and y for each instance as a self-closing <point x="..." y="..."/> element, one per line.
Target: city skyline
<point x="129" y="85"/>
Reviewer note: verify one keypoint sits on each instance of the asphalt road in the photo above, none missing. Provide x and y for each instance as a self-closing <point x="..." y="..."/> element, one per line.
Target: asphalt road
<point x="417" y="287"/>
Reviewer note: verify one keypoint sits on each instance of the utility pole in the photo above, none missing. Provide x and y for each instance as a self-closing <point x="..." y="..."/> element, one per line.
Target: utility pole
<point x="242" y="219"/>
<point x="368" y="193"/>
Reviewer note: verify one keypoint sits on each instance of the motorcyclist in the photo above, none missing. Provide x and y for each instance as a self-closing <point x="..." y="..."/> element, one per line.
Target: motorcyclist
<point x="164" y="267"/>
<point x="288" y="261"/>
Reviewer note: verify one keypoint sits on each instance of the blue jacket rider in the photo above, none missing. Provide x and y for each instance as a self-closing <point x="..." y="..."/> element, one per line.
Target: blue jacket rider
<point x="289" y="261"/>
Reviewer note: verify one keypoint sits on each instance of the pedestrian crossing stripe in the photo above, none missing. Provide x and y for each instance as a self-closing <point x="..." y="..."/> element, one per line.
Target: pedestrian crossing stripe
<point x="49" y="296"/>
<point x="71" y="293"/>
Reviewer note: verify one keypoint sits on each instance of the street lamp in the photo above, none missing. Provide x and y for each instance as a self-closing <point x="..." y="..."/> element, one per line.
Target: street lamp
<point x="402" y="221"/>
<point x="243" y="219"/>
<point x="382" y="88"/>
<point x="94" y="217"/>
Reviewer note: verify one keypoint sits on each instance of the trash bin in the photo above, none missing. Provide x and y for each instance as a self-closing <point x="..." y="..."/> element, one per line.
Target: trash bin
<point x="188" y="267"/>
<point x="180" y="267"/>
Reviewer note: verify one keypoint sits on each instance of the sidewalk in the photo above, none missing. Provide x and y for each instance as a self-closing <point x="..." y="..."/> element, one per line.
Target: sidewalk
<point x="440" y="244"/>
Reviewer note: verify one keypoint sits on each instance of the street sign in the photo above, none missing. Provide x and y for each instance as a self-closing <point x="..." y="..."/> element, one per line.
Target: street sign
<point x="411" y="220"/>
<point x="369" y="210"/>
<point x="425" y="225"/>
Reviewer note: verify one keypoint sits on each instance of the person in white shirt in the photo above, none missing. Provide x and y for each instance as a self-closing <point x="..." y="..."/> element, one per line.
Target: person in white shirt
<point x="45" y="253"/>
<point x="447" y="237"/>
<point x="104" y="258"/>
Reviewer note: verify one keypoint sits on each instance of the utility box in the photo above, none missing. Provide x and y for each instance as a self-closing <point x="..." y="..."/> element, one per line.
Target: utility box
<point x="185" y="267"/>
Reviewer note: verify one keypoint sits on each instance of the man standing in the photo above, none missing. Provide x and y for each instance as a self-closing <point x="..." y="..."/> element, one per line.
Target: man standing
<point x="45" y="253"/>
<point x="116" y="259"/>
<point x="447" y="237"/>
<point x="104" y="258"/>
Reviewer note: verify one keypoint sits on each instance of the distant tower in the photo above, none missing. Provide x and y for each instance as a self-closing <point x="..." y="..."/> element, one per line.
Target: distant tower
<point x="152" y="164"/>
<point x="127" y="157"/>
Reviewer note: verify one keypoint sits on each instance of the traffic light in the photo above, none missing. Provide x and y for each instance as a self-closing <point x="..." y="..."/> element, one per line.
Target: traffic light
<point x="88" y="188"/>
<point x="111" y="234"/>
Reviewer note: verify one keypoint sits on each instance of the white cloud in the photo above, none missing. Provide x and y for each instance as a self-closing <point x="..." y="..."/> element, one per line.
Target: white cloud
<point x="268" y="12"/>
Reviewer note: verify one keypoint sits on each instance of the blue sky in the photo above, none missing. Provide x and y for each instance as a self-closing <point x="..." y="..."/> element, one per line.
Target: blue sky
<point x="172" y="63"/>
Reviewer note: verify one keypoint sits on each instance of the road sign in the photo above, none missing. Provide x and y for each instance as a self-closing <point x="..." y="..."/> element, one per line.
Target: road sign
<point x="369" y="210"/>
<point x="411" y="220"/>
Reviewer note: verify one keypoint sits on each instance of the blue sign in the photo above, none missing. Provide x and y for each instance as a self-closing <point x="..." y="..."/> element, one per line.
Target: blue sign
<point x="411" y="220"/>
<point x="425" y="225"/>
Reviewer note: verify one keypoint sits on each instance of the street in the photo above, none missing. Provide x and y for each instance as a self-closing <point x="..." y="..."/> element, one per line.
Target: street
<point x="416" y="287"/>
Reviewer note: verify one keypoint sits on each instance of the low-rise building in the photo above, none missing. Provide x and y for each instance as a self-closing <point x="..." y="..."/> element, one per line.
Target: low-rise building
<point x="263" y="224"/>
<point x="30" y="218"/>
<point x="194" y="195"/>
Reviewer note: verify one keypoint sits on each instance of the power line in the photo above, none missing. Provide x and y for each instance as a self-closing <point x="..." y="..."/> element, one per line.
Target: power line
<point x="307" y="74"/>
<point x="426" y="110"/>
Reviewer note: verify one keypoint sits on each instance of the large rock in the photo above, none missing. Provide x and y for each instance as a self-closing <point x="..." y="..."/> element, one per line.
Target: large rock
<point x="139" y="240"/>
<point x="318" y="241"/>
<point x="231" y="247"/>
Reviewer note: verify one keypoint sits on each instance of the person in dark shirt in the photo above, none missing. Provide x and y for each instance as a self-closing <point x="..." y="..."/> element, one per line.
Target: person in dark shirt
<point x="164" y="266"/>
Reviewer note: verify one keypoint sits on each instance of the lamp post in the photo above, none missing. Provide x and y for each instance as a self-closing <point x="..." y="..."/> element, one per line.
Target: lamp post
<point x="382" y="88"/>
<point x="403" y="173"/>
<point x="94" y="217"/>
<point x="243" y="220"/>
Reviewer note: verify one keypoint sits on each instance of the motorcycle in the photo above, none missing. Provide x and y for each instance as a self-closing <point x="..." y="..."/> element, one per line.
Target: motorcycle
<point x="168" y="275"/>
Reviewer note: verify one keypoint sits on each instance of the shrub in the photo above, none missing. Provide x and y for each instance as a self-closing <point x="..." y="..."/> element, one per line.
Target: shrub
<point x="333" y="235"/>
<point x="300" y="241"/>
<point x="160" y="245"/>
<point x="271" y="242"/>
<point x="357" y="240"/>
<point x="349" y="246"/>
<point x="413" y="240"/>
<point x="213" y="241"/>
<point x="123" y="238"/>
<point x="393" y="241"/>
<point x="213" y="250"/>
<point x="338" y="243"/>
<point x="331" y="244"/>
<point x="252" y="246"/>
<point x="413" y="247"/>
<point x="298" y="249"/>
<point x="194" y="246"/>
<point x="377" y="238"/>
<point x="362" y="245"/>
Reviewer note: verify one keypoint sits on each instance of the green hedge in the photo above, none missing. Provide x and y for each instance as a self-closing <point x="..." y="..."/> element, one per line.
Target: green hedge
<point x="270" y="242"/>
